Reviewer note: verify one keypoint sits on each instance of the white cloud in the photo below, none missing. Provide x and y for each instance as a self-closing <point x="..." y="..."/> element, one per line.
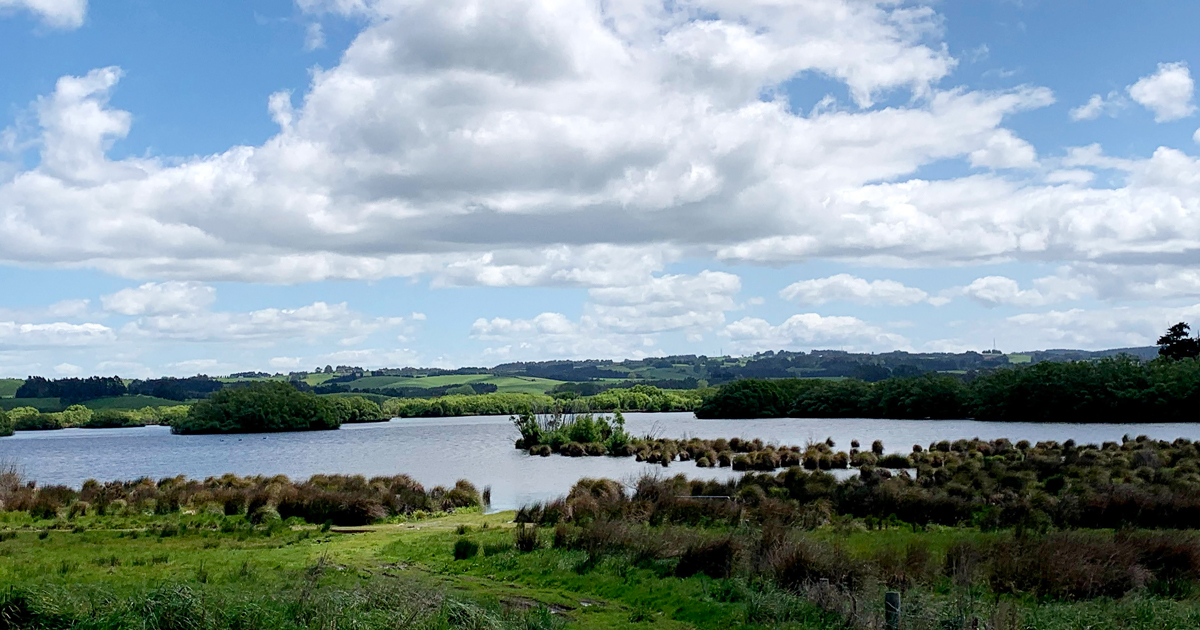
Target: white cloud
<point x="808" y="331"/>
<point x="665" y="303"/>
<point x="587" y="125"/>
<point x="1098" y="105"/>
<point x="992" y="291"/>
<point x="285" y="363"/>
<point x="67" y="369"/>
<point x="271" y="325"/>
<point x="160" y="298"/>
<point x="65" y="14"/>
<point x="314" y="36"/>
<point x="74" y="309"/>
<point x="55" y="334"/>
<point x="620" y="322"/>
<point x="848" y="288"/>
<point x="1168" y="92"/>
<point x="1097" y="329"/>
<point x="1004" y="150"/>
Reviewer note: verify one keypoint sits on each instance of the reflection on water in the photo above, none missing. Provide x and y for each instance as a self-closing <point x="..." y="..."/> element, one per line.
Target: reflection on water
<point x="479" y="448"/>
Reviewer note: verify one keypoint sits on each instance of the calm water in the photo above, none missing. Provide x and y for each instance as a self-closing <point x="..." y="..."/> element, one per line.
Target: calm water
<point x="479" y="448"/>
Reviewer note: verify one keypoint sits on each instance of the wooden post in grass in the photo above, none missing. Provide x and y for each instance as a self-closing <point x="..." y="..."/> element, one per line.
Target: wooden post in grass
<point x="891" y="610"/>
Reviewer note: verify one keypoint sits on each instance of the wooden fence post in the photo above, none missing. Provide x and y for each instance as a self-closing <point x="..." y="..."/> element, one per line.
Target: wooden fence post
<point x="891" y="610"/>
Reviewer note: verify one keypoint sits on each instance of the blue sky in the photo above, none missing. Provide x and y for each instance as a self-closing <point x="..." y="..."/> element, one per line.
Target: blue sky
<point x="272" y="185"/>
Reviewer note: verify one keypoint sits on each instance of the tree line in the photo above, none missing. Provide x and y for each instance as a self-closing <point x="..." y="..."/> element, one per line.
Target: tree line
<point x="1109" y="390"/>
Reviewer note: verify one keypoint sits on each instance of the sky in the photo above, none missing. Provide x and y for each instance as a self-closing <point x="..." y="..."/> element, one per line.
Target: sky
<point x="221" y="186"/>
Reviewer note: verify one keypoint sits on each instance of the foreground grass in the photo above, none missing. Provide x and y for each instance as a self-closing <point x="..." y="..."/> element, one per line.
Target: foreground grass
<point x="155" y="572"/>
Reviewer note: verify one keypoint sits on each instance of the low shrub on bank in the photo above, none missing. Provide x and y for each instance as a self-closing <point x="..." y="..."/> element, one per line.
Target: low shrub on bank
<point x="339" y="499"/>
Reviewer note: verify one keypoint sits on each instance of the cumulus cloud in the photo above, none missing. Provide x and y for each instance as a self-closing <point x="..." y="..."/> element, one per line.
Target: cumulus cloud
<point x="994" y="291"/>
<point x="847" y="288"/>
<point x="809" y="331"/>
<point x="1097" y="328"/>
<point x="158" y="298"/>
<point x="1004" y="150"/>
<point x="1168" y="92"/>
<point x="513" y="151"/>
<point x="65" y="14"/>
<point x="269" y="325"/>
<point x="620" y="321"/>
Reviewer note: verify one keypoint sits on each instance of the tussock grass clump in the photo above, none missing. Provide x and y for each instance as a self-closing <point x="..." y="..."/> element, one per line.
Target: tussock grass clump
<point x="465" y="549"/>
<point x="339" y="499"/>
<point x="526" y="538"/>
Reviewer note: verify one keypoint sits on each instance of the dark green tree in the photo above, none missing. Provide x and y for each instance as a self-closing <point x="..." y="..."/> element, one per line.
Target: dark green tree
<point x="1177" y="344"/>
<point x="260" y="408"/>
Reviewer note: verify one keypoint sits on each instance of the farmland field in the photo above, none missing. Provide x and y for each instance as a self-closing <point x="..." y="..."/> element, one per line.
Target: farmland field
<point x="506" y="384"/>
<point x="9" y="386"/>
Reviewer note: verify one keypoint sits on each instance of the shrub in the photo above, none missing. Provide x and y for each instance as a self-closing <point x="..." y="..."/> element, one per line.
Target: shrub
<point x="6" y="424"/>
<point x="465" y="549"/>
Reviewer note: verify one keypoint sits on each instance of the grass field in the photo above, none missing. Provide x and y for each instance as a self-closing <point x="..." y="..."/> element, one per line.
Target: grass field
<point x="130" y="402"/>
<point x="1019" y="358"/>
<point x="219" y="572"/>
<point x="41" y="404"/>
<point x="9" y="386"/>
<point x="506" y="384"/>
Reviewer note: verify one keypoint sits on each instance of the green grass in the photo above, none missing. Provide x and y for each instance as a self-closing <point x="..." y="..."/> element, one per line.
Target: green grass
<point x="130" y="402"/>
<point x="284" y="574"/>
<point x="1019" y="358"/>
<point x="41" y="404"/>
<point x="9" y="387"/>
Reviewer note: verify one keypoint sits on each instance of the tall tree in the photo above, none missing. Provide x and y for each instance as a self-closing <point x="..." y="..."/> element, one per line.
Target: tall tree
<point x="1176" y="344"/>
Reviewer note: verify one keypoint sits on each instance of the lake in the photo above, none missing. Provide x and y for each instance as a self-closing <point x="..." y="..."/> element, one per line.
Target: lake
<point x="438" y="451"/>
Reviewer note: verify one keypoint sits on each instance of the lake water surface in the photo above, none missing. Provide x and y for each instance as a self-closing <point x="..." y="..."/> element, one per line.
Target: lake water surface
<point x="479" y="448"/>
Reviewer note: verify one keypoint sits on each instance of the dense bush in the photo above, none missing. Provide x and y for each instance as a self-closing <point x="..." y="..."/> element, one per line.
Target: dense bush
<point x="6" y="424"/>
<point x="636" y="398"/>
<point x="38" y="422"/>
<point x="260" y="408"/>
<point x="112" y="419"/>
<point x="1110" y="390"/>
<point x="356" y="409"/>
